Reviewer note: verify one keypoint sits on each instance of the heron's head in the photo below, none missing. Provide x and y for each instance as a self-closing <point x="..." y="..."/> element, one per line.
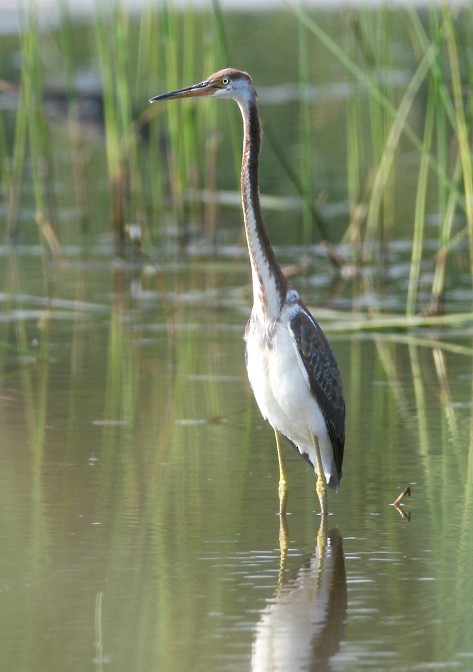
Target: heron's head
<point x="228" y="83"/>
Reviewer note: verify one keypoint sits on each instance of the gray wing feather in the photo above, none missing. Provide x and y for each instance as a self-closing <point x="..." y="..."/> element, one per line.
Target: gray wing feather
<point x="324" y="377"/>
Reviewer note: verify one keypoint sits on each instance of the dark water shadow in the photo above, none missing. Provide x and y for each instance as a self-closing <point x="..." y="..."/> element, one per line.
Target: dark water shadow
<point x="302" y="627"/>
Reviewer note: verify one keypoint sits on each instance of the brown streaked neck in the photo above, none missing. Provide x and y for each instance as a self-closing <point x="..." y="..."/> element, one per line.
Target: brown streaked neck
<point x="269" y="283"/>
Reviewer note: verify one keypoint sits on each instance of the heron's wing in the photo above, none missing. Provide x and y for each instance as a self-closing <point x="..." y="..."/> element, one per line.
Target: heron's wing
<point x="323" y="375"/>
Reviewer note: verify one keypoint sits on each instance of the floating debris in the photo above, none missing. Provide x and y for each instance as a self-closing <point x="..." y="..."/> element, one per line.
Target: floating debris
<point x="398" y="504"/>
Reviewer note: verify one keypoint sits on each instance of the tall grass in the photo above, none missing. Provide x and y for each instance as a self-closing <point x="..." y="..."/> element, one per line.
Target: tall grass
<point x="305" y="126"/>
<point x="32" y="132"/>
<point x="113" y="39"/>
<point x="438" y="49"/>
<point x="73" y="121"/>
<point x="159" y="48"/>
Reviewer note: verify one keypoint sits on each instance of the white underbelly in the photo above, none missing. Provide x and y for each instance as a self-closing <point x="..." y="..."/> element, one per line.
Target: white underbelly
<point x="283" y="394"/>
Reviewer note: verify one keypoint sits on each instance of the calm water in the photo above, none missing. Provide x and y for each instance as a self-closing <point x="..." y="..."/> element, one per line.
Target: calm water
<point x="138" y="482"/>
<point x="138" y="499"/>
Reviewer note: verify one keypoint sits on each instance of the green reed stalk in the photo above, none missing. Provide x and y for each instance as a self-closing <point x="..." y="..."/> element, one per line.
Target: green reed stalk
<point x="377" y="61"/>
<point x="387" y="158"/>
<point x="37" y="131"/>
<point x="189" y="147"/>
<point x="176" y="117"/>
<point x="293" y="176"/>
<point x="420" y="204"/>
<point x="13" y="177"/>
<point x="398" y="128"/>
<point x="5" y="160"/>
<point x="357" y="207"/>
<point x="143" y="177"/>
<point x="149" y="69"/>
<point x="461" y="124"/>
<point x="401" y="126"/>
<point x="440" y="88"/>
<point x="194" y="140"/>
<point x="305" y="133"/>
<point x="446" y="243"/>
<point x="224" y="59"/>
<point x="113" y="40"/>
<point x="359" y="188"/>
<point x="74" y="127"/>
<point x="381" y="106"/>
<point x="448" y="198"/>
<point x="397" y="114"/>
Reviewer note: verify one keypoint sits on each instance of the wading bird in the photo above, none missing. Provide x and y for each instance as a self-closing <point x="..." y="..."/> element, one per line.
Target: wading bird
<point x="290" y="364"/>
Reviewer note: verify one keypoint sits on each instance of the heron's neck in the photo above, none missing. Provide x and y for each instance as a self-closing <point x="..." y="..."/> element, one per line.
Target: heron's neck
<point x="269" y="282"/>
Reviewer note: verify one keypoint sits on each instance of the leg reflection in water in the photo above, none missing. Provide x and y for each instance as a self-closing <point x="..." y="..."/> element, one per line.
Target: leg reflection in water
<point x="303" y="625"/>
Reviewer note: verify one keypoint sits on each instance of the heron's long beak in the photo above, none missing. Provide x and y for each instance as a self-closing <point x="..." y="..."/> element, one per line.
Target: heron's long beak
<point x="202" y="89"/>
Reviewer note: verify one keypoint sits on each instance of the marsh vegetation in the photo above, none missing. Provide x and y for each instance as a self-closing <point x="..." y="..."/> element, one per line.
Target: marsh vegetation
<point x="139" y="484"/>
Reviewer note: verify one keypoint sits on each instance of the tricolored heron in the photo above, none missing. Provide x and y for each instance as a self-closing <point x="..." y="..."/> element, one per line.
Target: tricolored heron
<point x="291" y="366"/>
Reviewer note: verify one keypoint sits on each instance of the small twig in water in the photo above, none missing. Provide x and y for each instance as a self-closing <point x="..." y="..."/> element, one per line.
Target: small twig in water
<point x="397" y="503"/>
<point x="404" y="493"/>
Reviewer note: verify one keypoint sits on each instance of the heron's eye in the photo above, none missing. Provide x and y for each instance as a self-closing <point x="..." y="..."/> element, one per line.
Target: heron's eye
<point x="225" y="81"/>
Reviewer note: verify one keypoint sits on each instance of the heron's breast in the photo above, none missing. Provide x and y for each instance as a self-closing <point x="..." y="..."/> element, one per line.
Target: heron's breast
<point x="276" y="375"/>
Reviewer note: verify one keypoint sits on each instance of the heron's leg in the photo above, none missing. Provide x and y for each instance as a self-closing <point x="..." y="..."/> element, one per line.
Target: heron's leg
<point x="283" y="488"/>
<point x="321" y="486"/>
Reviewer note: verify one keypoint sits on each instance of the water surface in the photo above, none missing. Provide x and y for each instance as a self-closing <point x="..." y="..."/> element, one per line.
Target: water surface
<point x="139" y="521"/>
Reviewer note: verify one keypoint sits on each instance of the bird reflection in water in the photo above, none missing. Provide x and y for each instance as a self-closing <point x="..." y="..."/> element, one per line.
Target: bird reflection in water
<point x="302" y="626"/>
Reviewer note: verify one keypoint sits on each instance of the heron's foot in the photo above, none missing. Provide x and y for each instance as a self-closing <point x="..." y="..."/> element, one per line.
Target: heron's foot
<point x="321" y="489"/>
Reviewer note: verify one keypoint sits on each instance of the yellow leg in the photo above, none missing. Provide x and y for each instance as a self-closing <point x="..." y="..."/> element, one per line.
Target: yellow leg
<point x="283" y="489"/>
<point x="321" y="486"/>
